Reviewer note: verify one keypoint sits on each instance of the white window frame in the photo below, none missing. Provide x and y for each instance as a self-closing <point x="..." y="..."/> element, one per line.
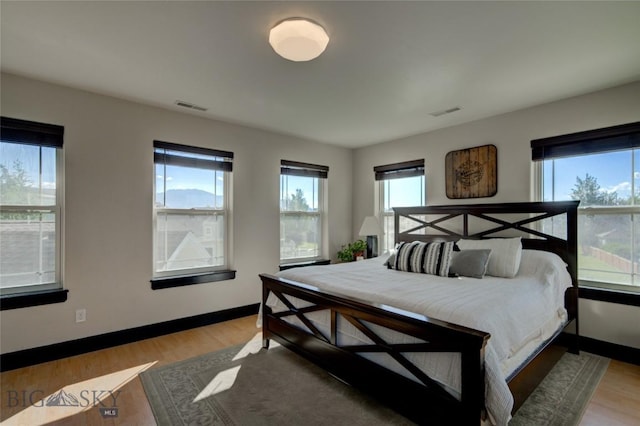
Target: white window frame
<point x="56" y="209"/>
<point x="225" y="211"/>
<point x="384" y="174"/>
<point x="597" y="211"/>
<point x="616" y="138"/>
<point x="320" y="173"/>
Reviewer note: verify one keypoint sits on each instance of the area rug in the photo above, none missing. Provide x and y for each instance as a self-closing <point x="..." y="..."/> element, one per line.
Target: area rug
<point x="563" y="396"/>
<point x="245" y="385"/>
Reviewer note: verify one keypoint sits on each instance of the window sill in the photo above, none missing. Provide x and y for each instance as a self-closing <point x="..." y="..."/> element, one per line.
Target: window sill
<point x="34" y="298"/>
<point x="182" y="280"/>
<point x="608" y="295"/>
<point x="303" y="264"/>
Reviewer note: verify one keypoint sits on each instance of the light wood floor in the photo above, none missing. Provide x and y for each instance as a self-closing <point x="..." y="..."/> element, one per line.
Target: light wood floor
<point x="615" y="402"/>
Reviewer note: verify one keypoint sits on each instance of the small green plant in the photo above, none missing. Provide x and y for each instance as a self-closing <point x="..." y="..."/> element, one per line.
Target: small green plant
<point x="359" y="247"/>
<point x="349" y="252"/>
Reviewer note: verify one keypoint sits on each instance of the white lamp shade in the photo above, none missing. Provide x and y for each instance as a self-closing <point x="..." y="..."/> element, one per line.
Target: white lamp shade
<point x="298" y="39"/>
<point x="371" y="226"/>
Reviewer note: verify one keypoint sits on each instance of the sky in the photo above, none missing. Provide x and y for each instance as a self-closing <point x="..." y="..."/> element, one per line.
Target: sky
<point x="308" y="185"/>
<point x="29" y="158"/>
<point x="406" y="192"/>
<point x="614" y="171"/>
<point x="41" y="175"/>
<point x="188" y="178"/>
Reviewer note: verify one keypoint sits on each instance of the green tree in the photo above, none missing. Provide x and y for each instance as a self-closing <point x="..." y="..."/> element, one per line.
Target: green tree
<point x="300" y="229"/>
<point x="14" y="185"/>
<point x="298" y="202"/>
<point x="588" y="191"/>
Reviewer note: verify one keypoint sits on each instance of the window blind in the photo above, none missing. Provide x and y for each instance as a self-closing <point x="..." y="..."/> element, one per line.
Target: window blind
<point x="295" y="168"/>
<point x="172" y="154"/>
<point x="399" y="170"/>
<point x="615" y="138"/>
<point x="26" y="132"/>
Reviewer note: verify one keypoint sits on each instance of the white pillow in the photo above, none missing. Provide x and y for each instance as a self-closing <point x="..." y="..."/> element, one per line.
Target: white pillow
<point x="549" y="268"/>
<point x="545" y="264"/>
<point x="505" y="254"/>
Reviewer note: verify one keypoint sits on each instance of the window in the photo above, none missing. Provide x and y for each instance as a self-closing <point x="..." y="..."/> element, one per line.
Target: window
<point x="601" y="168"/>
<point x="30" y="207"/>
<point x="302" y="207"/>
<point x="399" y="185"/>
<point x="191" y="213"/>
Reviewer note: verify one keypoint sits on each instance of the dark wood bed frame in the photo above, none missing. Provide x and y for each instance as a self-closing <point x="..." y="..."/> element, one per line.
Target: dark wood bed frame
<point x="423" y="400"/>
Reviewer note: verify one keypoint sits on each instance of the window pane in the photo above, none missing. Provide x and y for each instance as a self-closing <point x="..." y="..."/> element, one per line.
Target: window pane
<point x="186" y="241"/>
<point x="596" y="180"/>
<point x="190" y="214"/>
<point x="27" y="175"/>
<point x="389" y="235"/>
<point x="27" y="248"/>
<point x="160" y="185"/>
<point x="556" y="226"/>
<point x="405" y="224"/>
<point x="189" y="188"/>
<point x="548" y="186"/>
<point x="298" y="193"/>
<point x="404" y="192"/>
<point x="605" y="248"/>
<point x="607" y="185"/>
<point x="300" y="235"/>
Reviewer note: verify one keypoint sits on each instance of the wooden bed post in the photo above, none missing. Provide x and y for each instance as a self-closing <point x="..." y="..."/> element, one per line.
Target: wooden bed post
<point x="572" y="303"/>
<point x="473" y="385"/>
<point x="266" y="310"/>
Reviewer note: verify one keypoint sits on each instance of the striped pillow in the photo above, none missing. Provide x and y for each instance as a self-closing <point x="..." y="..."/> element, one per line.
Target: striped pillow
<point x="426" y="258"/>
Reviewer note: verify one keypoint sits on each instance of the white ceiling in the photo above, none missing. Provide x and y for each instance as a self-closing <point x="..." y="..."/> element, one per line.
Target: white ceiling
<point x="388" y="65"/>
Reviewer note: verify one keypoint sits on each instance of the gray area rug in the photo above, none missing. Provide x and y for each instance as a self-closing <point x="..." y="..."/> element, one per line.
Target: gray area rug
<point x="563" y="396"/>
<point x="244" y="385"/>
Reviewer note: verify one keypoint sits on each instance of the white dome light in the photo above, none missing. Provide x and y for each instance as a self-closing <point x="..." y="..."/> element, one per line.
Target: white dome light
<point x="298" y="39"/>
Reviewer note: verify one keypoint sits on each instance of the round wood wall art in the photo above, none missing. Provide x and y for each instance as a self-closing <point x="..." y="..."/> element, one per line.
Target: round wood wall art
<point x="472" y="172"/>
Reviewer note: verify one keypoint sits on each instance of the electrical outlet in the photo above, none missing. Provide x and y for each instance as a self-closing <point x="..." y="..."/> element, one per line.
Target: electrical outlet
<point x="81" y="315"/>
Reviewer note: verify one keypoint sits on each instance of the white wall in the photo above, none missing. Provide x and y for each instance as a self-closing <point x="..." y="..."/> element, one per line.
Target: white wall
<point x="511" y="134"/>
<point x="108" y="210"/>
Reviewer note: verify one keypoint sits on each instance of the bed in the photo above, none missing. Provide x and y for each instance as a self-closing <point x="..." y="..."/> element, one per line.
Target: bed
<point x="440" y="349"/>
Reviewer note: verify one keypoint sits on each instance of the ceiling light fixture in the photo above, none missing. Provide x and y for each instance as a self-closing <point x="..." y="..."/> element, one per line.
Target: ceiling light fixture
<point x="298" y="39"/>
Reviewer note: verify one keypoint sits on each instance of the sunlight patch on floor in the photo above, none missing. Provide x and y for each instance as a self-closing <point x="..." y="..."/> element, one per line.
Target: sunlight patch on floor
<point x="253" y="346"/>
<point x="75" y="398"/>
<point x="224" y="380"/>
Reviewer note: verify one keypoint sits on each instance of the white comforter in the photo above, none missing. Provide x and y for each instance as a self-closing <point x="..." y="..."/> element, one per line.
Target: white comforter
<point x="519" y="313"/>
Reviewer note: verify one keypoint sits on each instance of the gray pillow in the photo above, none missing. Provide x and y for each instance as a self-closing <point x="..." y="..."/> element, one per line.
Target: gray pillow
<point x="470" y="263"/>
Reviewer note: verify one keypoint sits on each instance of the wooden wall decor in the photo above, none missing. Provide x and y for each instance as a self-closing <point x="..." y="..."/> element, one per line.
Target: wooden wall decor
<point x="472" y="172"/>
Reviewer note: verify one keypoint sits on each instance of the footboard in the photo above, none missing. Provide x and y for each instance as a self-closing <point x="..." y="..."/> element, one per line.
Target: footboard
<point x="420" y="398"/>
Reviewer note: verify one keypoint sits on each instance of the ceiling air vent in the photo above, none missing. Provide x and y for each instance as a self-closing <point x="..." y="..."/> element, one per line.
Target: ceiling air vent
<point x="446" y="111"/>
<point x="190" y="106"/>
